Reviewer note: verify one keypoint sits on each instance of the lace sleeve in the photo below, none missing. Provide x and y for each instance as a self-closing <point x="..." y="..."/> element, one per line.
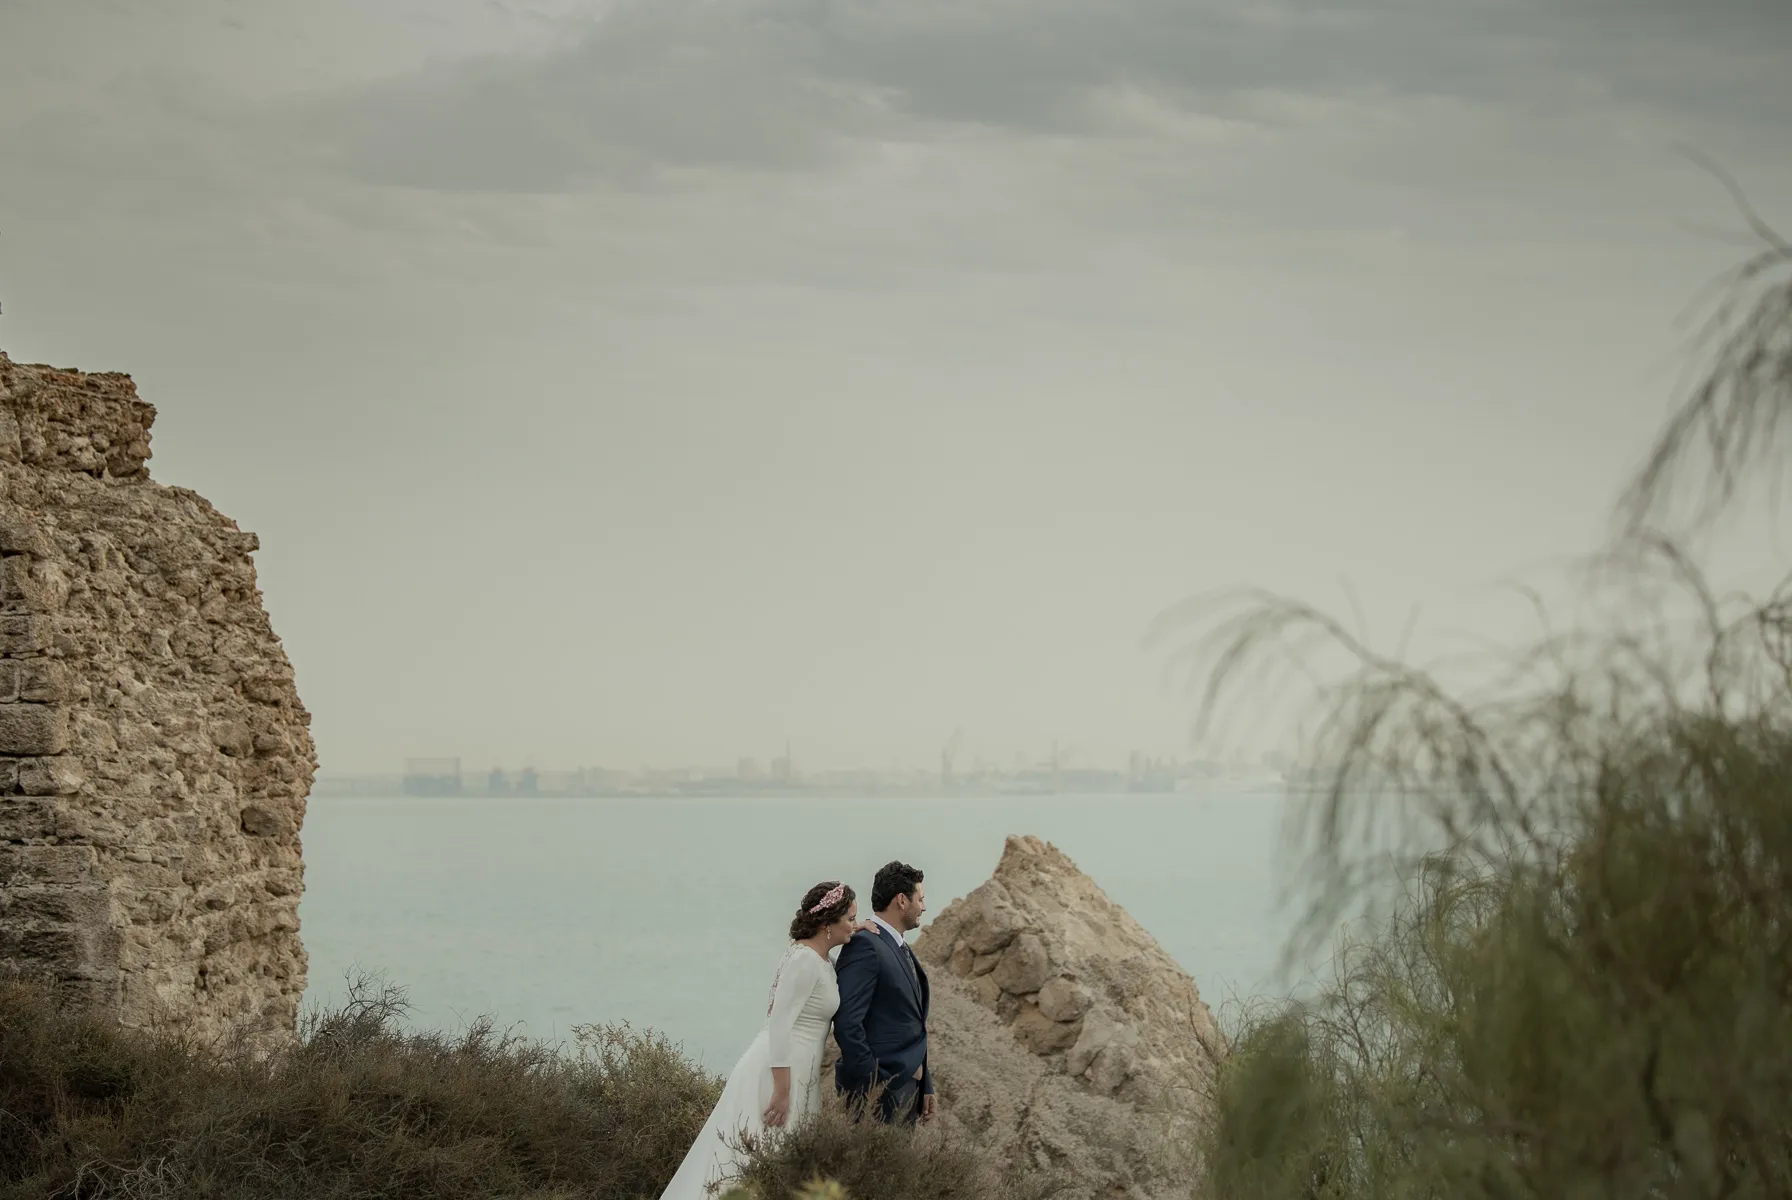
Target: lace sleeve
<point x="795" y="982"/>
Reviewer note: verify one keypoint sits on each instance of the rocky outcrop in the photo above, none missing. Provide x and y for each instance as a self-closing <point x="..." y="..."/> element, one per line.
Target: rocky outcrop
<point x="1062" y="1034"/>
<point x="154" y="756"/>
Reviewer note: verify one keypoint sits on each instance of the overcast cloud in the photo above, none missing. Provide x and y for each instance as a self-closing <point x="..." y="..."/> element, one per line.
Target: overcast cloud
<point x="660" y="381"/>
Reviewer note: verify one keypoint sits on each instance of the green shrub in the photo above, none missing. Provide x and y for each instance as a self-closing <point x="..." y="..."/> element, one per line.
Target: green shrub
<point x="1620" y="1027"/>
<point x="815" y="1189"/>
<point x="868" y="1160"/>
<point x="359" y="1108"/>
<point x="356" y="1109"/>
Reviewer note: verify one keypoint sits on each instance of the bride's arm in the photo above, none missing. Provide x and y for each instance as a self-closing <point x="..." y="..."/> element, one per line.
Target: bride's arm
<point x="794" y="987"/>
<point x="778" y="1111"/>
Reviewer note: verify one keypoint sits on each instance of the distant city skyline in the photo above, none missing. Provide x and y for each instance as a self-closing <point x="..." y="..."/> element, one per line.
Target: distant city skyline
<point x="442" y="777"/>
<point x="789" y="761"/>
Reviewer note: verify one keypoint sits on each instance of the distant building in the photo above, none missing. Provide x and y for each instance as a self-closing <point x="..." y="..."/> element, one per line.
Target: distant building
<point x="496" y="784"/>
<point x="1147" y="774"/>
<point x="1089" y="779"/>
<point x="784" y="768"/>
<point x="747" y="768"/>
<point x="432" y="777"/>
<point x="529" y="784"/>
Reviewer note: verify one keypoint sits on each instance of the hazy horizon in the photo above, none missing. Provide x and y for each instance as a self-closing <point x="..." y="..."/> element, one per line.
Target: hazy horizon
<point x="660" y="382"/>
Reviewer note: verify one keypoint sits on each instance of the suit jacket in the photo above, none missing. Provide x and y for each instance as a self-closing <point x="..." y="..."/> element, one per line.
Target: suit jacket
<point x="881" y="1024"/>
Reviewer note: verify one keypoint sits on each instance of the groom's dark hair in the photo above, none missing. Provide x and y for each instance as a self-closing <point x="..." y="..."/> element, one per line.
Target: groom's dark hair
<point x="893" y="880"/>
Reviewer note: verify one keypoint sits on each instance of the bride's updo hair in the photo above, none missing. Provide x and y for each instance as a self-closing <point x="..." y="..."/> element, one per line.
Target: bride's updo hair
<point x="807" y="924"/>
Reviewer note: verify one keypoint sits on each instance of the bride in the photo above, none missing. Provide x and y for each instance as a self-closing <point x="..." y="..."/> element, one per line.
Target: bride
<point x="778" y="1079"/>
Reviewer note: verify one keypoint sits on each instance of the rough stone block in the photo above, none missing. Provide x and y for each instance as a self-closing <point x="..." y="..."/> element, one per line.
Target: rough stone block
<point x="1097" y="1031"/>
<point x="61" y="905"/>
<point x="9" y="438"/>
<point x="1042" y="1035"/>
<point x="15" y="580"/>
<point x="39" y="586"/>
<point x="26" y="818"/>
<point x="1062" y="999"/>
<point x="19" y="535"/>
<point x="44" y="681"/>
<point x="9" y="775"/>
<point x="1112" y="1068"/>
<point x="28" y="729"/>
<point x="265" y="690"/>
<point x="58" y="776"/>
<point x="233" y="738"/>
<point x="1025" y="966"/>
<point x="82" y="949"/>
<point x="26" y="946"/>
<point x="10" y="671"/>
<point x="26" y="634"/>
<point x="21" y="866"/>
<point x="989" y="921"/>
<point x="261" y="823"/>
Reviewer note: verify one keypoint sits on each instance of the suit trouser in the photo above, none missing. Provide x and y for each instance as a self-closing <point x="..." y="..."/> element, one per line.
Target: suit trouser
<point x="900" y="1102"/>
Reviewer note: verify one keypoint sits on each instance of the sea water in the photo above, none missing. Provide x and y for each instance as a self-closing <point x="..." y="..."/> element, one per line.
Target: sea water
<point x="670" y="913"/>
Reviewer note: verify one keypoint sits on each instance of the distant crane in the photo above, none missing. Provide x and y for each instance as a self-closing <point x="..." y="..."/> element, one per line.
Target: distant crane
<point x="949" y="755"/>
<point x="1060" y="758"/>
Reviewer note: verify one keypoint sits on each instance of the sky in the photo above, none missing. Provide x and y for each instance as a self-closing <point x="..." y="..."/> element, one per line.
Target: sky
<point x="625" y="383"/>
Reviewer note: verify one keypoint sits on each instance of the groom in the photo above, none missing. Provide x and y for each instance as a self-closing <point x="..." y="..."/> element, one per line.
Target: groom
<point x="881" y="1024"/>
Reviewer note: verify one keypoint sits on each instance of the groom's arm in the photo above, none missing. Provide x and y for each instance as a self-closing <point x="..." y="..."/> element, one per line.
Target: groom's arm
<point x="856" y="972"/>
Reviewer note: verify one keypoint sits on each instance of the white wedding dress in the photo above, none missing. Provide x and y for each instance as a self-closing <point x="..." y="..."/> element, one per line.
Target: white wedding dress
<point x="805" y="996"/>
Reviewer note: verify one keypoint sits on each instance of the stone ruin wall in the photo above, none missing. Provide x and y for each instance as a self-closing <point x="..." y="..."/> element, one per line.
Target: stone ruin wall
<point x="154" y="755"/>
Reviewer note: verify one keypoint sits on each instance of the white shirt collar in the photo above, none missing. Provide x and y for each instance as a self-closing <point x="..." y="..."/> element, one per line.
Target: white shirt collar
<point x="900" y="940"/>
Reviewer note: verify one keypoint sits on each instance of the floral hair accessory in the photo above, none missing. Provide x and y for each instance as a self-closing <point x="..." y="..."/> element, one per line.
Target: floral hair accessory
<point x="828" y="901"/>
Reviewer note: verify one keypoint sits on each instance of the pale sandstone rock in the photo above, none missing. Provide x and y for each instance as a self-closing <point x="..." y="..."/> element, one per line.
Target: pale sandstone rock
<point x="1063" y="1036"/>
<point x="1025" y="967"/>
<point x="154" y="755"/>
<point x="1040" y="1033"/>
<point x="1063" y="999"/>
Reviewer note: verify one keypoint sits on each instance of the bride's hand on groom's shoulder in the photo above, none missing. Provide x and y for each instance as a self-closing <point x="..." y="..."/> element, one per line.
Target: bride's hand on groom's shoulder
<point x="867" y="926"/>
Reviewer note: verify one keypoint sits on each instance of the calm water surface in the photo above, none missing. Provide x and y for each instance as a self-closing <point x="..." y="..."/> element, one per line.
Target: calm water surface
<point x="670" y="913"/>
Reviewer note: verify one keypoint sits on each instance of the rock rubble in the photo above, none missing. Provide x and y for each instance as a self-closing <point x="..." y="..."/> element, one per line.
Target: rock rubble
<point x="1063" y="1035"/>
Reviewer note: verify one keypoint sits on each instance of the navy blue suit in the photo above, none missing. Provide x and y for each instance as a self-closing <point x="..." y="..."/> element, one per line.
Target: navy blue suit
<point x="881" y="1025"/>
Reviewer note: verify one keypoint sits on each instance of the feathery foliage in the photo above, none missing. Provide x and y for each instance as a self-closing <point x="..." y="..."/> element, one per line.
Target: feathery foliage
<point x="1585" y="988"/>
